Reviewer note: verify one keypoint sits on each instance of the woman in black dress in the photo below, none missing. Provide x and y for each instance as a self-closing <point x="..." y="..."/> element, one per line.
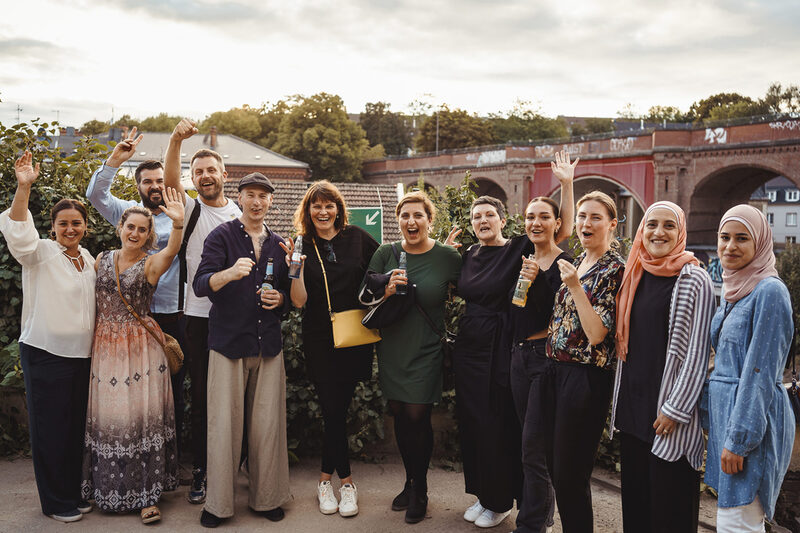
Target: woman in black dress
<point x="488" y="424"/>
<point x="345" y="251"/>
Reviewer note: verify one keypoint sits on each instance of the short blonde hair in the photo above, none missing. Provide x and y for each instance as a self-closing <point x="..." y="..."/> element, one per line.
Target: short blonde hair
<point x="150" y="242"/>
<point x="415" y="197"/>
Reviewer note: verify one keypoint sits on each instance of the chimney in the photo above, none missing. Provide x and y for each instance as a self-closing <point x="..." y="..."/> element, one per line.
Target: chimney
<point x="213" y="137"/>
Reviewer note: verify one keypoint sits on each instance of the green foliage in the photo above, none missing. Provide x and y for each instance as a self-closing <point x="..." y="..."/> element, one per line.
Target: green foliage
<point x="456" y="129"/>
<point x="317" y="130"/>
<point x="788" y="265"/>
<point x="701" y="110"/>
<point x="10" y="367"/>
<point x="523" y="123"/>
<point x="162" y="123"/>
<point x="386" y="128"/>
<point x="95" y="127"/>
<point x="240" y="121"/>
<point x="658" y="113"/>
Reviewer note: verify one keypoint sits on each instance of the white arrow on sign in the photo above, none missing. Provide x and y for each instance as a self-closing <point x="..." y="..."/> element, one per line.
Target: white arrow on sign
<point x="372" y="220"/>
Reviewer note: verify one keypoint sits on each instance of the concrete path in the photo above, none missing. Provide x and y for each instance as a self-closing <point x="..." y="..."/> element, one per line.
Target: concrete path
<point x="377" y="484"/>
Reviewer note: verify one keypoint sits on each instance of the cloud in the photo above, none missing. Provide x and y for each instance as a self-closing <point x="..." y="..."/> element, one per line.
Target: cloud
<point x="19" y="47"/>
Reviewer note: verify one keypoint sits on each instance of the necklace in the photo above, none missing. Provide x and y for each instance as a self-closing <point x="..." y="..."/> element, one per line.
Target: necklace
<point x="77" y="262"/>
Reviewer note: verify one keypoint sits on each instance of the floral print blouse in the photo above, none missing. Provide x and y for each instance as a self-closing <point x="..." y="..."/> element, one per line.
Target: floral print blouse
<point x="566" y="340"/>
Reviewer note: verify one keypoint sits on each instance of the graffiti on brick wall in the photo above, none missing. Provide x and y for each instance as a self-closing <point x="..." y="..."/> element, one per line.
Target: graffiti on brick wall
<point x="716" y="135"/>
<point x="790" y="125"/>
<point x="544" y="150"/>
<point x="715" y="270"/>
<point x="573" y="149"/>
<point x="492" y="157"/>
<point x="622" y="145"/>
<point x="547" y="150"/>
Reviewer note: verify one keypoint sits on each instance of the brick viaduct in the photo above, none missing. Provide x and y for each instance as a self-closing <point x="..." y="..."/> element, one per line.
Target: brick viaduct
<point x="704" y="170"/>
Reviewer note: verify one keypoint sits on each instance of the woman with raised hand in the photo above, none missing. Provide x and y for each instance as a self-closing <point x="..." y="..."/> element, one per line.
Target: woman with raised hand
<point x="58" y="313"/>
<point x="750" y="420"/>
<point x="131" y="453"/>
<point x="410" y="350"/>
<point x="343" y="251"/>
<point x="488" y="423"/>
<point x="575" y="386"/>
<point x="664" y="311"/>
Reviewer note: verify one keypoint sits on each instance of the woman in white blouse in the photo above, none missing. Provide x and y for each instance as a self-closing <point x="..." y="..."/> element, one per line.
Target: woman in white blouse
<point x="58" y="310"/>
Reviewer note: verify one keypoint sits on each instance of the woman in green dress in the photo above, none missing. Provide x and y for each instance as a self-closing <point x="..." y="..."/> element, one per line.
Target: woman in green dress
<point x="410" y="352"/>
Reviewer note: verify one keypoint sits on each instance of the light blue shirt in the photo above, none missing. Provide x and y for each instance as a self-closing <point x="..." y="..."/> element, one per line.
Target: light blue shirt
<point x="746" y="405"/>
<point x="165" y="299"/>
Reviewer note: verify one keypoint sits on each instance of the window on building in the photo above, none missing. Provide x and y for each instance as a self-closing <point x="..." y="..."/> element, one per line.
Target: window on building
<point x="772" y="195"/>
<point x="792" y="195"/>
<point x="771" y="218"/>
<point x="791" y="239"/>
<point x="791" y="219"/>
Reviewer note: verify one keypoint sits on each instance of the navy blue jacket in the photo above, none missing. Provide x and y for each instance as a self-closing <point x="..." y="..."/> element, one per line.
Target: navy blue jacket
<point x="237" y="325"/>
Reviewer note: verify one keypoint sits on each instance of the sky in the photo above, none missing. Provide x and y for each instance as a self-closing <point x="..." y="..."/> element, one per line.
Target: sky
<point x="90" y="59"/>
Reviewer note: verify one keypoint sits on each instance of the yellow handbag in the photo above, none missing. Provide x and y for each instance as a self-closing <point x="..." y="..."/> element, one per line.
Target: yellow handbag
<point x="347" y="327"/>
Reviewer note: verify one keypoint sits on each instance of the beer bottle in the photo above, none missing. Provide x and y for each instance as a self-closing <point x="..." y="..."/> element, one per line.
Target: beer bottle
<point x="294" y="266"/>
<point x="269" y="279"/>
<point x="520" y="297"/>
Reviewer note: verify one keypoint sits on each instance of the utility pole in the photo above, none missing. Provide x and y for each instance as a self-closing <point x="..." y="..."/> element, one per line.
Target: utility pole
<point x="58" y="116"/>
<point x="19" y="109"/>
<point x="437" y="132"/>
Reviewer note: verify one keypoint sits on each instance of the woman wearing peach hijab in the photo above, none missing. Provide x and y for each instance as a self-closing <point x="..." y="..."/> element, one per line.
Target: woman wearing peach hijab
<point x="751" y="427"/>
<point x="664" y="310"/>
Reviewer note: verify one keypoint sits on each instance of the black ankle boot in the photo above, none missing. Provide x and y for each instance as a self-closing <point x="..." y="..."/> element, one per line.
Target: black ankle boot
<point x="400" y="502"/>
<point x="417" y="502"/>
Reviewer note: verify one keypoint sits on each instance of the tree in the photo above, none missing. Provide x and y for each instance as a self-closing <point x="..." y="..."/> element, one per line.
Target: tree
<point x="317" y="130"/>
<point x="599" y="125"/>
<point x="701" y="110"/>
<point x="269" y="119"/>
<point x="456" y="129"/>
<point x="240" y="121"/>
<point x="95" y="127"/>
<point x="659" y="113"/>
<point x="780" y="100"/>
<point x="628" y="112"/>
<point x="523" y="123"/>
<point x="126" y="121"/>
<point x="386" y="128"/>
<point x="160" y="123"/>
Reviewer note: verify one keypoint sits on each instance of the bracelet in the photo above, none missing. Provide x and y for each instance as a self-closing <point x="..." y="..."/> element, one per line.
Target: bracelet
<point x="176" y="227"/>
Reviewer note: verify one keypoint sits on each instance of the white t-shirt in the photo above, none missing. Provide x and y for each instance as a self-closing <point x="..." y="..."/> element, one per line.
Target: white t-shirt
<point x="210" y="218"/>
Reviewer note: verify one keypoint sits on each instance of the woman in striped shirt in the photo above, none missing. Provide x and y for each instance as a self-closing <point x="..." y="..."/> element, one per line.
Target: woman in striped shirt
<point x="664" y="311"/>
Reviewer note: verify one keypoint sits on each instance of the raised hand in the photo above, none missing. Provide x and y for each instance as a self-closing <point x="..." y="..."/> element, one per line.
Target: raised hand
<point x="24" y="169"/>
<point x="173" y="206"/>
<point x="289" y="249"/>
<point x="240" y="268"/>
<point x="569" y="274"/>
<point x="561" y="167"/>
<point x="451" y="237"/>
<point x="184" y="129"/>
<point x="124" y="149"/>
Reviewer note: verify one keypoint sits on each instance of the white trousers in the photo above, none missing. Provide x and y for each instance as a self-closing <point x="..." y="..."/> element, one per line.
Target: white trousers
<point x="743" y="519"/>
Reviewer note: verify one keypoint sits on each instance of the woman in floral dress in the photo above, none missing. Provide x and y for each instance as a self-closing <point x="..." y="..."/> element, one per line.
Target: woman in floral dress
<point x="131" y="452"/>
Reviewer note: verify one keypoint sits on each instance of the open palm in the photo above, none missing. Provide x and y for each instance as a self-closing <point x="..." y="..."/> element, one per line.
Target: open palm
<point x="173" y="206"/>
<point x="24" y="170"/>
<point x="562" y="168"/>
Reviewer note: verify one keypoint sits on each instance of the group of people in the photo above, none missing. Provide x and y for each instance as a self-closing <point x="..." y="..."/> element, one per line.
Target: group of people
<point x="534" y="379"/>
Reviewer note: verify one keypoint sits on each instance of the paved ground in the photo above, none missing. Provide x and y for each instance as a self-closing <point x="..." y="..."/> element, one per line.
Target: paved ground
<point x="377" y="483"/>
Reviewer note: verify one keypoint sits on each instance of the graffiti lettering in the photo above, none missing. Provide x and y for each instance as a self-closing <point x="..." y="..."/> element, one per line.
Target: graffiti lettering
<point x="716" y="135"/>
<point x="544" y="150"/>
<point x="492" y="158"/>
<point x="573" y="149"/>
<point x="622" y="145"/>
<point x="785" y="125"/>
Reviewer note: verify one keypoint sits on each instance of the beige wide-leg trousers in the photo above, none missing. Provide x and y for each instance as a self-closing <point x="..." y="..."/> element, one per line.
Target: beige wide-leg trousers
<point x="252" y="389"/>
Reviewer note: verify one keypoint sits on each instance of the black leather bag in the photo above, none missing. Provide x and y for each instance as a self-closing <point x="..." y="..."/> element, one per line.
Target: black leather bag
<point x="389" y="311"/>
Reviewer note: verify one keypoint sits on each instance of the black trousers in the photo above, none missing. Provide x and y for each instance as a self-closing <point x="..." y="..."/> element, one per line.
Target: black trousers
<point x="537" y="507"/>
<point x="334" y="400"/>
<point x="657" y="496"/>
<point x="173" y="324"/>
<point x="489" y="433"/>
<point x="196" y="357"/>
<point x="571" y="412"/>
<point x="57" y="392"/>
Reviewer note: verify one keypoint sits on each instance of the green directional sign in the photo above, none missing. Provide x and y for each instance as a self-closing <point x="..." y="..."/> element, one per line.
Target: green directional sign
<point x="370" y="219"/>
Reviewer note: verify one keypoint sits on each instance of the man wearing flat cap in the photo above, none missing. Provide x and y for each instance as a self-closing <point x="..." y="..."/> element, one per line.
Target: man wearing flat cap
<point x="246" y="377"/>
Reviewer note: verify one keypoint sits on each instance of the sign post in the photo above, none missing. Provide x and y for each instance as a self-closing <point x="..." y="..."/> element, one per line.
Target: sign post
<point x="370" y="219"/>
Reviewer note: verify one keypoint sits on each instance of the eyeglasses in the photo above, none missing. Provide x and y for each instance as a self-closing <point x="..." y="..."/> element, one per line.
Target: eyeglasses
<point x="331" y="254"/>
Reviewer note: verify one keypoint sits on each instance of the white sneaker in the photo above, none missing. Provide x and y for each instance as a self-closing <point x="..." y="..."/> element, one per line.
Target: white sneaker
<point x="348" y="500"/>
<point x="490" y="518"/>
<point x="327" y="500"/>
<point x="473" y="511"/>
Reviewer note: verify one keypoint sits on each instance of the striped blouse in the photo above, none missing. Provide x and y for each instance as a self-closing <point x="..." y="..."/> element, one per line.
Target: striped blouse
<point x="688" y="346"/>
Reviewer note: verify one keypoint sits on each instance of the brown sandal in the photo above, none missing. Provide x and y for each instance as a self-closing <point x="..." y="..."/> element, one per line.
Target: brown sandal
<point x="150" y="514"/>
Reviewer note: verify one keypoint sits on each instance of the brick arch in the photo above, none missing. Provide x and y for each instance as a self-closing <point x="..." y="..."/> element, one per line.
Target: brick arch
<point x="490" y="187"/>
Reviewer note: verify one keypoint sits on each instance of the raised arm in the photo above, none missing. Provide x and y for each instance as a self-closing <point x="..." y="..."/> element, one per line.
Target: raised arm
<point x="99" y="190"/>
<point x="172" y="159"/>
<point x="565" y="172"/>
<point x="26" y="175"/>
<point x="158" y="263"/>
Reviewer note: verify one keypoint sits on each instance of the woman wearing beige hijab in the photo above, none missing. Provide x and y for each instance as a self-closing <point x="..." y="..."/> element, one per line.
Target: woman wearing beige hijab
<point x="751" y="427"/>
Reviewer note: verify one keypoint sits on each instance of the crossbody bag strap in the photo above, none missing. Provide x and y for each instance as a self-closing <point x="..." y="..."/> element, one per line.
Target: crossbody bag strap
<point x="182" y="267"/>
<point x="324" y="275"/>
<point x="119" y="291"/>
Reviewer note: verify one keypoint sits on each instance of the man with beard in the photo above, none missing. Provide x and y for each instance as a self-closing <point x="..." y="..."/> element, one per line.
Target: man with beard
<point x="210" y="209"/>
<point x="165" y="307"/>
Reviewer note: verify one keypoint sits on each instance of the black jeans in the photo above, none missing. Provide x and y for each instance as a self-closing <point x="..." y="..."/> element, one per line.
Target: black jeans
<point x="570" y="414"/>
<point x="173" y="324"/>
<point x="57" y="392"/>
<point x="196" y="357"/>
<point x="334" y="400"/>
<point x="657" y="495"/>
<point x="537" y="504"/>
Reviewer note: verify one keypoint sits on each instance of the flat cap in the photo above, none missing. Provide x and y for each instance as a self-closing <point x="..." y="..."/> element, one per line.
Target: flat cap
<point x="258" y="179"/>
